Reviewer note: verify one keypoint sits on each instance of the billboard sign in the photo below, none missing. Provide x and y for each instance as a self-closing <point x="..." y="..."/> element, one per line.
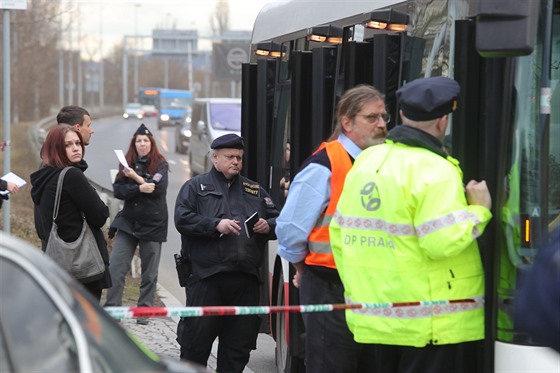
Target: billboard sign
<point x="228" y="57"/>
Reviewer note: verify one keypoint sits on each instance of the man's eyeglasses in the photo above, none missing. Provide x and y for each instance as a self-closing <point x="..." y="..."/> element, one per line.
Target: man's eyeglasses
<point x="373" y="118"/>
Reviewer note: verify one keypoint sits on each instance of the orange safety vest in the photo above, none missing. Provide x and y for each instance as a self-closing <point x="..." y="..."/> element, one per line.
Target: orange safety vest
<point x="320" y="252"/>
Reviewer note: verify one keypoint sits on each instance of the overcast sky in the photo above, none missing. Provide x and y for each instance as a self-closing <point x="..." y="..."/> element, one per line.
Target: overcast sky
<point x="112" y="19"/>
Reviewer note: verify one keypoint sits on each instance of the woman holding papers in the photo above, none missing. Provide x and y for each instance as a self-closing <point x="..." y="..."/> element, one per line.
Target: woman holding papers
<point x="143" y="220"/>
<point x="6" y="188"/>
<point x="63" y="147"/>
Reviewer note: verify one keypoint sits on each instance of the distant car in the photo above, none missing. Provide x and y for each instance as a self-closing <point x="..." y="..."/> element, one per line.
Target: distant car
<point x="149" y="110"/>
<point x="211" y="118"/>
<point x="183" y="133"/>
<point x="133" y="110"/>
<point x="50" y="323"/>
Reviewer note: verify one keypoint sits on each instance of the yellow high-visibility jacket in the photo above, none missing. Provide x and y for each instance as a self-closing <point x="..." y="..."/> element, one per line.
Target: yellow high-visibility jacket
<point x="403" y="234"/>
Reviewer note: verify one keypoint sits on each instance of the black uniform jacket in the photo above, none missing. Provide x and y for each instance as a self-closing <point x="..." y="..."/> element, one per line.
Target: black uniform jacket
<point x="144" y="215"/>
<point x="206" y="199"/>
<point x="78" y="196"/>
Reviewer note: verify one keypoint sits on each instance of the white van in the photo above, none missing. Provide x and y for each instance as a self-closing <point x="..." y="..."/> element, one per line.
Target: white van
<point x="211" y="118"/>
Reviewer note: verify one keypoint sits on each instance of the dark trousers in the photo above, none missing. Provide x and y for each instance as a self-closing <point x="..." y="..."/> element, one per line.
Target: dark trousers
<point x="124" y="247"/>
<point x="456" y="358"/>
<point x="237" y="334"/>
<point x="94" y="290"/>
<point x="329" y="344"/>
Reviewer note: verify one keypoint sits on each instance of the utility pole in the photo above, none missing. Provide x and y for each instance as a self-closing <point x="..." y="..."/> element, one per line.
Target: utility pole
<point x="6" y="109"/>
<point x="101" y="61"/>
<point x="79" y="55"/>
<point x="136" y="6"/>
<point x="6" y="93"/>
<point x="125" y="72"/>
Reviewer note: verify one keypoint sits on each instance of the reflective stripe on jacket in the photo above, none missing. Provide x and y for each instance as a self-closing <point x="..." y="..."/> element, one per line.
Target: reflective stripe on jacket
<point x="320" y="253"/>
<point x="403" y="232"/>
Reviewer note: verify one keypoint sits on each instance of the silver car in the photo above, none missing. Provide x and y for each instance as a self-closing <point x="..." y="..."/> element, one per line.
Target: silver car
<point x="133" y="110"/>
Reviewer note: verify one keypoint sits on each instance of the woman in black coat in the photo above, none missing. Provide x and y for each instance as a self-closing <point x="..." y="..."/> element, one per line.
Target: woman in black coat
<point x="143" y="219"/>
<point x="63" y="147"/>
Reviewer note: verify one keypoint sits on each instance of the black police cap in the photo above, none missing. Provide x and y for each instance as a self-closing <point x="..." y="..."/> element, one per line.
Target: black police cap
<point x="428" y="98"/>
<point x="143" y="130"/>
<point x="229" y="141"/>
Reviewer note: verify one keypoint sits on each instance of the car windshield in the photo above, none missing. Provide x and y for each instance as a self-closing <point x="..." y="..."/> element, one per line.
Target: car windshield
<point x="133" y="106"/>
<point x="226" y="116"/>
<point x="175" y="102"/>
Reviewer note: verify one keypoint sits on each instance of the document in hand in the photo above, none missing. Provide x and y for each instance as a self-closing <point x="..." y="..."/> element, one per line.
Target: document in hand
<point x="250" y="223"/>
<point x="12" y="178"/>
<point x="121" y="157"/>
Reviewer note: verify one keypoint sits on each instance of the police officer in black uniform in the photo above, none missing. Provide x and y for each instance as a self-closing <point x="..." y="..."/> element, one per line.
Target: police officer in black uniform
<point x="224" y="259"/>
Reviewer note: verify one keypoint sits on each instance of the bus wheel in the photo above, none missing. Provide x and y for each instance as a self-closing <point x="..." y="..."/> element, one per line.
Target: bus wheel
<point x="285" y="362"/>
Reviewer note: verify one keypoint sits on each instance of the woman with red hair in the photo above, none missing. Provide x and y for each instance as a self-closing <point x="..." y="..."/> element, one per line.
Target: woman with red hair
<point x="64" y="147"/>
<point x="143" y="219"/>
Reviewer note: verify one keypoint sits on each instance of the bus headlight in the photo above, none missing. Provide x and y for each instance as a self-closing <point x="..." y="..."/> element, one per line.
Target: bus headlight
<point x="164" y="117"/>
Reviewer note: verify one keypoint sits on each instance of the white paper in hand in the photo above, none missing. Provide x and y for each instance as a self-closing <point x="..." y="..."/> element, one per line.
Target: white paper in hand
<point x="122" y="159"/>
<point x="12" y="178"/>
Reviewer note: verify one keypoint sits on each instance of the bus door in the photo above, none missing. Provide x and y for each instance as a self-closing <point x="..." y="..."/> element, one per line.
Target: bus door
<point x="387" y="70"/>
<point x="256" y="123"/>
<point x="266" y="77"/>
<point x="249" y="117"/>
<point x="324" y="81"/>
<point x="356" y="64"/>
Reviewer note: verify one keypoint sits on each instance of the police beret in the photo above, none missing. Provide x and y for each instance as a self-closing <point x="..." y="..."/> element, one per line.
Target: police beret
<point x="143" y="130"/>
<point x="428" y="98"/>
<point x="229" y="141"/>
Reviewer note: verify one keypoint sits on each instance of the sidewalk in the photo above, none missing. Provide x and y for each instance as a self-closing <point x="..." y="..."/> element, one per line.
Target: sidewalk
<point x="160" y="334"/>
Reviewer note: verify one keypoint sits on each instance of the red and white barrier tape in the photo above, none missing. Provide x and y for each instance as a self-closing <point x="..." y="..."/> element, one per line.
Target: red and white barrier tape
<point x="134" y="312"/>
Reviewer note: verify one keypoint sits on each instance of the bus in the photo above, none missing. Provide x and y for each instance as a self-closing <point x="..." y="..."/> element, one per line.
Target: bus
<point x="506" y="57"/>
<point x="172" y="105"/>
<point x="148" y="96"/>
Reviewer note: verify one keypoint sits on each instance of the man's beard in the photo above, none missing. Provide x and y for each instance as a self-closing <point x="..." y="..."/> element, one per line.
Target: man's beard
<point x="379" y="137"/>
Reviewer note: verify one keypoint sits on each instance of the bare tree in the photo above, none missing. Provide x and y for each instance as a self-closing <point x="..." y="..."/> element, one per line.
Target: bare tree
<point x="219" y="20"/>
<point x="34" y="59"/>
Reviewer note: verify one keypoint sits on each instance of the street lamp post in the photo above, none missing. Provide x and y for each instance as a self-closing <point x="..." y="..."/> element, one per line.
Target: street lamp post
<point x="136" y="6"/>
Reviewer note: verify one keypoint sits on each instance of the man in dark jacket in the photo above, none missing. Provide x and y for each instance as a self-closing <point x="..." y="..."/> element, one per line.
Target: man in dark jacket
<point x="225" y="259"/>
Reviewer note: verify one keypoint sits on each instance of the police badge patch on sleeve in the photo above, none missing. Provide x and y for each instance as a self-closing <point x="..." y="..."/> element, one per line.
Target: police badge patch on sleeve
<point x="252" y="189"/>
<point x="268" y="202"/>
